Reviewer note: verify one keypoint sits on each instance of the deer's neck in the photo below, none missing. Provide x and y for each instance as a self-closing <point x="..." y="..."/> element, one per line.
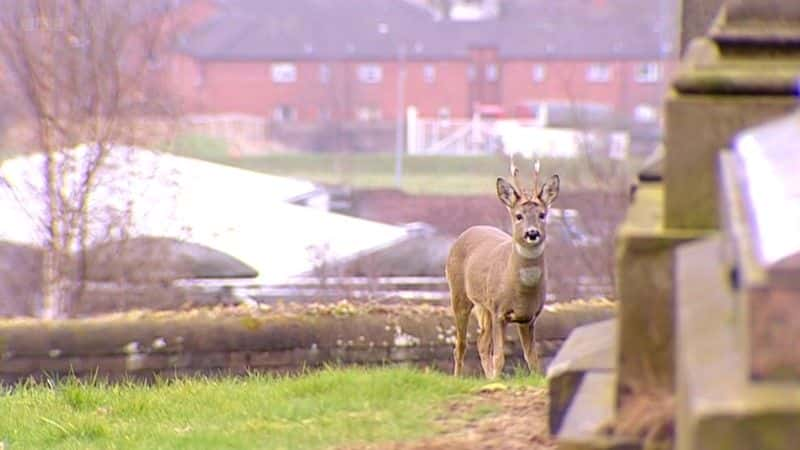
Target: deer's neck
<point x="529" y="252"/>
<point x="528" y="264"/>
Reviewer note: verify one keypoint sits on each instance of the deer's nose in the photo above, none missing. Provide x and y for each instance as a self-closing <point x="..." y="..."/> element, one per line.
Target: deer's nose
<point x="532" y="235"/>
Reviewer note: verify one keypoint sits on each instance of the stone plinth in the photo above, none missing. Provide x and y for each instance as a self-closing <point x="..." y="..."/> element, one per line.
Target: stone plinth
<point x="698" y="127"/>
<point x="742" y="75"/>
<point x="644" y="285"/>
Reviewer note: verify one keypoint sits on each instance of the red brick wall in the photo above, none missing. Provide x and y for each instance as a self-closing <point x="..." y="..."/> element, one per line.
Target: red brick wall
<point x="247" y="87"/>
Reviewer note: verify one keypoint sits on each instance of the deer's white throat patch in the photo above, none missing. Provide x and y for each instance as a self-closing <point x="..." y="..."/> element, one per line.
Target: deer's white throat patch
<point x="529" y="253"/>
<point x="530" y="276"/>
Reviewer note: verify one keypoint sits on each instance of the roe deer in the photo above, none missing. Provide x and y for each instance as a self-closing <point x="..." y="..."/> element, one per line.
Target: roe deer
<point x="502" y="277"/>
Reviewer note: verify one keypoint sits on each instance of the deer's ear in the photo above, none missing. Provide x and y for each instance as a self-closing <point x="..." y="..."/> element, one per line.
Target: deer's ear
<point x="549" y="191"/>
<point x="506" y="192"/>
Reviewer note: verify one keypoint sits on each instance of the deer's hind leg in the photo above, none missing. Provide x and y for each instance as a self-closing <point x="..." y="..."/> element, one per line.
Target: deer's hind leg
<point x="462" y="307"/>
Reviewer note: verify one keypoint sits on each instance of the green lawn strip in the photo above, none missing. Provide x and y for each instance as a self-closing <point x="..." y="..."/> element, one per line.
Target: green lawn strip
<point x="319" y="409"/>
<point x="445" y="175"/>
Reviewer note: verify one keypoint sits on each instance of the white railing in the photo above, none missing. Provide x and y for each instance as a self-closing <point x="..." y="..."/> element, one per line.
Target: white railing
<point x="434" y="136"/>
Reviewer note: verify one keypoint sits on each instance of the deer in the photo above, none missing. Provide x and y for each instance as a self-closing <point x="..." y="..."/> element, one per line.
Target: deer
<point x="501" y="277"/>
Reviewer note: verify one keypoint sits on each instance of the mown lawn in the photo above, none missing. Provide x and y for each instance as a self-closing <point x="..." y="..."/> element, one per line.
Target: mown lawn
<point x="323" y="408"/>
<point x="449" y="175"/>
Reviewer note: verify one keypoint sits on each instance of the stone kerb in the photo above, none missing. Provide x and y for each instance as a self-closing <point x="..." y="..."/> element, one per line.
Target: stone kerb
<point x="238" y="340"/>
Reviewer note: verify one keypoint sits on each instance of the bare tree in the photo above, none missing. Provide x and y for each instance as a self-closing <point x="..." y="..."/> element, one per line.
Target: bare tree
<point x="82" y="74"/>
<point x="600" y="195"/>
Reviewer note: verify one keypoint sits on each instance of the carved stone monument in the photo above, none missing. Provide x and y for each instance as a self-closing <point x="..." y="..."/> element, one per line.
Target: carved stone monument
<point x="705" y="329"/>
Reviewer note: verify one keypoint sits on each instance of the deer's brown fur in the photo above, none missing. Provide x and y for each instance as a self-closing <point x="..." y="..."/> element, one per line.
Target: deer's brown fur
<point x="501" y="278"/>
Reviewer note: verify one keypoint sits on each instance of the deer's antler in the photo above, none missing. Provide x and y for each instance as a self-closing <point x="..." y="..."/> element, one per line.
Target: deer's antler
<point x="515" y="176"/>
<point x="536" y="167"/>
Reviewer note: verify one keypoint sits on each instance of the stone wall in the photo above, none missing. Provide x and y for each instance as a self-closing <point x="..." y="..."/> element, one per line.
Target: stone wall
<point x="237" y="340"/>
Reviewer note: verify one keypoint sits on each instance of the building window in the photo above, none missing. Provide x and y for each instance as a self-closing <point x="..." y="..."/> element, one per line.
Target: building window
<point x="429" y="73"/>
<point x="598" y="73"/>
<point x="538" y="73"/>
<point x="284" y="113"/>
<point x="368" y="113"/>
<point x="492" y="73"/>
<point x="283" y="73"/>
<point x="324" y="74"/>
<point x="471" y="72"/>
<point x="647" y="72"/>
<point x="370" y="73"/>
<point x="200" y="77"/>
<point x="644" y="113"/>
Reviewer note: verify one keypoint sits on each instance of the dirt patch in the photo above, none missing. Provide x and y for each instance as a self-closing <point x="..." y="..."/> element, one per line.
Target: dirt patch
<point x="509" y="419"/>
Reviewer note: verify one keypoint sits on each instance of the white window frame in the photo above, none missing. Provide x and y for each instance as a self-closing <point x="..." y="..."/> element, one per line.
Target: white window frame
<point x="368" y="113"/>
<point x="324" y="74"/>
<point x="492" y="73"/>
<point x="369" y="73"/>
<point x="538" y="73"/>
<point x="599" y="73"/>
<point x="472" y="72"/>
<point x="645" y="113"/>
<point x="429" y="73"/>
<point x="647" y="72"/>
<point x="283" y="73"/>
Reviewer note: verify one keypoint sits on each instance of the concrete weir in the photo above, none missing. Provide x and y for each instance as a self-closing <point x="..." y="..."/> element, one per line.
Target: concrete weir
<point x="238" y="340"/>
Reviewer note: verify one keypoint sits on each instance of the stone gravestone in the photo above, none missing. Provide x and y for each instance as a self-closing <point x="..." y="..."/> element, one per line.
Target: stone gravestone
<point x="766" y="240"/>
<point x="737" y="327"/>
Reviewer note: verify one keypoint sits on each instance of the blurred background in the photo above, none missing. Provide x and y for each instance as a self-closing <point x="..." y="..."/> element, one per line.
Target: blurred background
<point x="170" y="154"/>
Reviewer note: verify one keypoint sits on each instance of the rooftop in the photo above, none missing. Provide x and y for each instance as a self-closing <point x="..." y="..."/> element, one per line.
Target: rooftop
<point x="382" y="29"/>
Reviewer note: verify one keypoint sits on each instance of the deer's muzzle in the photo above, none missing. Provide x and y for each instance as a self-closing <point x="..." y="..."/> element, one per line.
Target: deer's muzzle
<point x="532" y="235"/>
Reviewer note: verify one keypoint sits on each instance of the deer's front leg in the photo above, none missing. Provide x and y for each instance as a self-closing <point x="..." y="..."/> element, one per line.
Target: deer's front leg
<point x="498" y="350"/>
<point x="485" y="340"/>
<point x="528" y="341"/>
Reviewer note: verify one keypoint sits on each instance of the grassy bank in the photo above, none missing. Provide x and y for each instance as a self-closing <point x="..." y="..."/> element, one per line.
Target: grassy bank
<point x="448" y="175"/>
<point x="320" y="409"/>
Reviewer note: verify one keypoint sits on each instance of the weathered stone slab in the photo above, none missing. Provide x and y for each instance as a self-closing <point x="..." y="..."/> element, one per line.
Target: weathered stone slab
<point x="718" y="406"/>
<point x="592" y="409"/>
<point x="644" y="285"/>
<point x="761" y="206"/>
<point x="590" y="348"/>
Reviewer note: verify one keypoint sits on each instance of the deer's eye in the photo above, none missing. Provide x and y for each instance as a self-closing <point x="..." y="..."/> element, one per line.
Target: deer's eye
<point x="519" y="216"/>
<point x="542" y="215"/>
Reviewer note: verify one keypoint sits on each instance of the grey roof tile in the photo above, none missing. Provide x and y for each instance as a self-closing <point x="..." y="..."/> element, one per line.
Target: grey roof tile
<point x="377" y="29"/>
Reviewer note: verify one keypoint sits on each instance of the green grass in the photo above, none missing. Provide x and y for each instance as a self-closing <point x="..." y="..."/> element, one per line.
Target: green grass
<point x="198" y="146"/>
<point x="324" y="408"/>
<point x="449" y="175"/>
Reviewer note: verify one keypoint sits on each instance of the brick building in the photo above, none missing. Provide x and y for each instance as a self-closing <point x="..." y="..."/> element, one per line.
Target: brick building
<point x="312" y="61"/>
